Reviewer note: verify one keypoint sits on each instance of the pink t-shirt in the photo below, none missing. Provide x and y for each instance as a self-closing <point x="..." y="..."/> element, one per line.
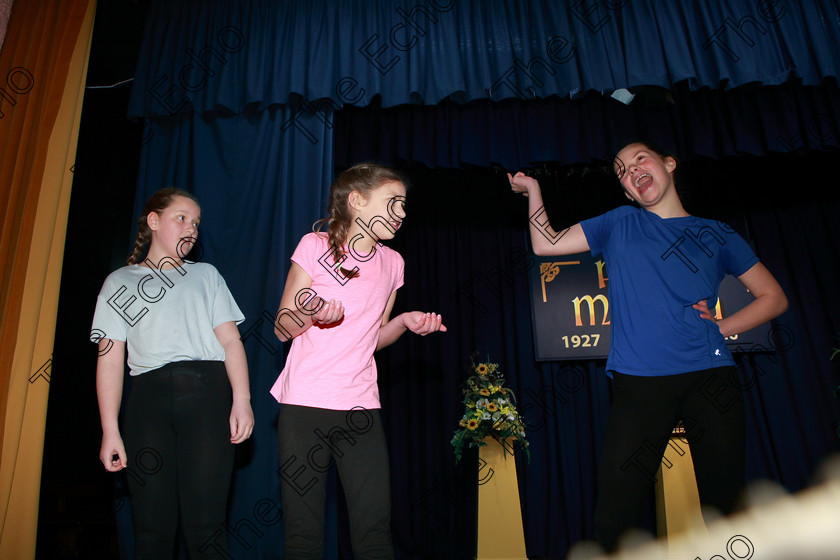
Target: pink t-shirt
<point x="333" y="367"/>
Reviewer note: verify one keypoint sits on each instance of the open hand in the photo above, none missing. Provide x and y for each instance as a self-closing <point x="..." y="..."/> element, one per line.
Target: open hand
<point x="423" y="323"/>
<point x="705" y="313"/>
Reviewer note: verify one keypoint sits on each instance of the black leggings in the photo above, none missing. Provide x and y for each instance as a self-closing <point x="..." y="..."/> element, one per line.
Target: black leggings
<point x="642" y="417"/>
<point x="180" y="460"/>
<point x="310" y="439"/>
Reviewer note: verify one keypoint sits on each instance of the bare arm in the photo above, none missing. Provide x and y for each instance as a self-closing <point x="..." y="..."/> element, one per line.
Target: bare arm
<point x="770" y="302"/>
<point x="300" y="307"/>
<point x="109" y="387"/>
<point x="236" y="364"/>
<point x="544" y="239"/>
<point x="417" y="321"/>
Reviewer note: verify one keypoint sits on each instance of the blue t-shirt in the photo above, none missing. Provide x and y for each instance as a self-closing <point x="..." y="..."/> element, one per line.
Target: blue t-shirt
<point x="658" y="268"/>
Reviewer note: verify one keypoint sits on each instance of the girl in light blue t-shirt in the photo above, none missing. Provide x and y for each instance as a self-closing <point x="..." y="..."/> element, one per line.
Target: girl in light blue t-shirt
<point x="189" y="401"/>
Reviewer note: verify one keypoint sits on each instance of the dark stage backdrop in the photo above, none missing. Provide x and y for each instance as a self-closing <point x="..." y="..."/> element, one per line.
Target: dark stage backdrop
<point x="254" y="106"/>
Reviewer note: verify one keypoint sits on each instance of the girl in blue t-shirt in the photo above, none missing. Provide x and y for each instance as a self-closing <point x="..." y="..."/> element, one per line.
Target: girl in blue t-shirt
<point x="668" y="356"/>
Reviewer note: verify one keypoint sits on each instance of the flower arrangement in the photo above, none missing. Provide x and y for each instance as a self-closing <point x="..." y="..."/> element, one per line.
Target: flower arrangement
<point x="490" y="411"/>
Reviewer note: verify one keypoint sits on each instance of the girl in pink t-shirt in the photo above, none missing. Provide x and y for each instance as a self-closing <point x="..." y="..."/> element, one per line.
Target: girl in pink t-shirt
<point x="336" y="309"/>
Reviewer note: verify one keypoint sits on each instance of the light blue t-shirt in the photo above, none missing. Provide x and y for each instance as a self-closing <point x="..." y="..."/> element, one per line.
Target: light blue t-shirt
<point x="164" y="315"/>
<point x="658" y="268"/>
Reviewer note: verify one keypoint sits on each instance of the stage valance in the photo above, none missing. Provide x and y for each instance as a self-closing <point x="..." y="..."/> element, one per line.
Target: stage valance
<point x="222" y="56"/>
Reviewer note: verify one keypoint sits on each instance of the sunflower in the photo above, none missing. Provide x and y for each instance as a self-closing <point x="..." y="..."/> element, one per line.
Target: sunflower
<point x="489" y="410"/>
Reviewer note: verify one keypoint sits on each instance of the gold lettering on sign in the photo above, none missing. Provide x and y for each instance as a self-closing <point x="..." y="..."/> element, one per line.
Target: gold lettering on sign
<point x="602" y="280"/>
<point x="549" y="271"/>
<point x="590" y="302"/>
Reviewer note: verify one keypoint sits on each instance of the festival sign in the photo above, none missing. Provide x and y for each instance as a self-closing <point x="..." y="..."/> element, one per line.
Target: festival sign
<point x="570" y="309"/>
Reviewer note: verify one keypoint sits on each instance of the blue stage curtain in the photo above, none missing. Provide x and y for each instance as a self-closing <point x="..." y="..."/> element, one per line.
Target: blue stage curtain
<point x="205" y="56"/>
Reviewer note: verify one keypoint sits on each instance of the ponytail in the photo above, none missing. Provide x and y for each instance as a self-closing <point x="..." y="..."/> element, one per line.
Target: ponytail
<point x="140" y="241"/>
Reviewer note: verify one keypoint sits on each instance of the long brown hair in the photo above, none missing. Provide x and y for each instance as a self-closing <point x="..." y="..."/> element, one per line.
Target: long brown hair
<point x="157" y="203"/>
<point x="362" y="177"/>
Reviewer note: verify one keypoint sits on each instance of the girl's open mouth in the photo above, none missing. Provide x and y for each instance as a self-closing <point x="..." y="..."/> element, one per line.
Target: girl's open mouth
<point x="643" y="182"/>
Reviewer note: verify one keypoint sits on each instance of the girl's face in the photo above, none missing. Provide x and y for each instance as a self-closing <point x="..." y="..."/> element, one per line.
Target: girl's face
<point x="647" y="177"/>
<point x="175" y="230"/>
<point x="384" y="205"/>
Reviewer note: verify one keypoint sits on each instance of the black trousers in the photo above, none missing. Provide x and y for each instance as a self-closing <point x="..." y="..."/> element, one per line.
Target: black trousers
<point x="310" y="439"/>
<point x="644" y="412"/>
<point x="176" y="432"/>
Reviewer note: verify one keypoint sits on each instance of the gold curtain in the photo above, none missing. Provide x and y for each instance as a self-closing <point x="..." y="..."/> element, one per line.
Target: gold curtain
<point x="43" y="64"/>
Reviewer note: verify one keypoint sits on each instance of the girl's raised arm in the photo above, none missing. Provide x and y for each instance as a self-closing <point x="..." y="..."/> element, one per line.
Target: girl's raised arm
<point x="544" y="239"/>
<point x="300" y="307"/>
<point x="109" y="387"/>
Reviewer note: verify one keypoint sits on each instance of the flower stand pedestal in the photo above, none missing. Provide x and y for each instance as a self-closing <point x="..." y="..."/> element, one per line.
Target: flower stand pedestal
<point x="677" y="500"/>
<point x="500" y="532"/>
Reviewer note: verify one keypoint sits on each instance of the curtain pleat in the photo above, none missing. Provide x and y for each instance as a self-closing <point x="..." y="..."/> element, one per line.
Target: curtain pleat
<point x="202" y="56"/>
<point x="39" y="133"/>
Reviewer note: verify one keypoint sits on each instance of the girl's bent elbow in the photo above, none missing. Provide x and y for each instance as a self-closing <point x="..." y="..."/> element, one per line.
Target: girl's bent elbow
<point x="783" y="305"/>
